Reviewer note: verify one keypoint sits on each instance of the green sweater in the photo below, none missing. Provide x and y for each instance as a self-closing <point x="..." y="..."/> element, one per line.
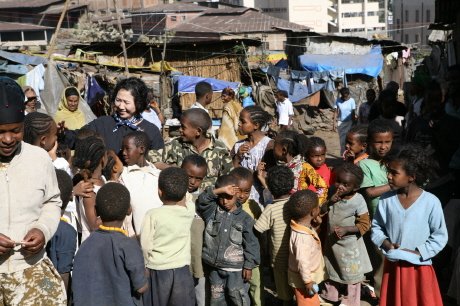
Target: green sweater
<point x="165" y="236"/>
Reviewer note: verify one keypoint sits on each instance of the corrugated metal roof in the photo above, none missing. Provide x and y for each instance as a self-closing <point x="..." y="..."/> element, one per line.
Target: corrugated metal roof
<point x="173" y="8"/>
<point x="16" y="27"/>
<point x="20" y="4"/>
<point x="249" y="21"/>
<point x="58" y="8"/>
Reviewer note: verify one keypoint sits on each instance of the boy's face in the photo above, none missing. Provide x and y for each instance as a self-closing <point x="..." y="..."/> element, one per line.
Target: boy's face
<point x="353" y="144"/>
<point x="380" y="144"/>
<point x="345" y="97"/>
<point x="346" y="183"/>
<point x="195" y="176"/>
<point x="245" y="190"/>
<point x="188" y="132"/>
<point x="132" y="154"/>
<point x="317" y="156"/>
<point x="227" y="202"/>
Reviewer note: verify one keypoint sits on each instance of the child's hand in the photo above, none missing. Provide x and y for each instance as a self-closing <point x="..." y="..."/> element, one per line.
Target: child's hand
<point x="340" y="231"/>
<point x="83" y="189"/>
<point x="229" y="189"/>
<point x="335" y="197"/>
<point x="247" y="274"/>
<point x="243" y="149"/>
<point x="61" y="128"/>
<point x="387" y="245"/>
<point x="349" y="155"/>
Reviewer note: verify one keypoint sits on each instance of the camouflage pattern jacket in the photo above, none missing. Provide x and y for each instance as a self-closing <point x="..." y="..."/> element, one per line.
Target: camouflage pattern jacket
<point x="216" y="155"/>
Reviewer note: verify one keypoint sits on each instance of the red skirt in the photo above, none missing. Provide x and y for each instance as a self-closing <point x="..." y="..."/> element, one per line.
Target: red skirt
<point x="405" y="284"/>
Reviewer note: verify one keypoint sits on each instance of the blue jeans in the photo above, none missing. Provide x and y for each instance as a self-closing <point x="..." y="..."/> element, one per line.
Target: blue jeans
<point x="227" y="288"/>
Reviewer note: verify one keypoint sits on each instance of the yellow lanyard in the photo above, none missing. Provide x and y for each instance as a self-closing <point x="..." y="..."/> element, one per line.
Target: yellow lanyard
<point x="115" y="229"/>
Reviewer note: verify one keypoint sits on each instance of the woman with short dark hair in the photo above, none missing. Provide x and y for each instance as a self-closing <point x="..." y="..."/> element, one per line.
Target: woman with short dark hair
<point x="129" y="100"/>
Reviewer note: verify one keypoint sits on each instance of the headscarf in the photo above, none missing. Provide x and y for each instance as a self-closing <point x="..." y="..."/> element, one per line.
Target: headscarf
<point x="73" y="120"/>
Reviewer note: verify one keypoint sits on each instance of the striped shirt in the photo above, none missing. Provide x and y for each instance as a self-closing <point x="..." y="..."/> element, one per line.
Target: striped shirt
<point x="276" y="218"/>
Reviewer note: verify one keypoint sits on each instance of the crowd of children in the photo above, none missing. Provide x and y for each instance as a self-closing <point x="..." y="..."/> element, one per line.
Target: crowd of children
<point x="198" y="224"/>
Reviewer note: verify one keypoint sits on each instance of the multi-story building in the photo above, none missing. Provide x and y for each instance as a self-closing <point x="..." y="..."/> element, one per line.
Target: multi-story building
<point x="356" y="17"/>
<point x="411" y="19"/>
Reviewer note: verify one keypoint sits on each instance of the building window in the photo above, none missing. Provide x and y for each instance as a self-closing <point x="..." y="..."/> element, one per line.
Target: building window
<point x="173" y="18"/>
<point x="416" y="38"/>
<point x="274" y="10"/>
<point x="407" y="15"/>
<point x="353" y="14"/>
<point x="406" y="38"/>
<point x="184" y="17"/>
<point x="428" y="16"/>
<point x="417" y="17"/>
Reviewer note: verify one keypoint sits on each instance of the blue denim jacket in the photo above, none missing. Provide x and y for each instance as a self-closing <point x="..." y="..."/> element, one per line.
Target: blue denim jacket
<point x="229" y="240"/>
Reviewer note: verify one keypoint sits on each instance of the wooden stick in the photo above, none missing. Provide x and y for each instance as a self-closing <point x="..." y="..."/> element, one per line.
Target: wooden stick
<point x="58" y="27"/>
<point x="125" y="54"/>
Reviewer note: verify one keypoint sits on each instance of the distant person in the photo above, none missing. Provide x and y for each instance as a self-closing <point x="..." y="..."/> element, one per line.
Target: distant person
<point x="203" y="93"/>
<point x="284" y="109"/>
<point x="228" y="131"/>
<point x="31" y="101"/>
<point x="153" y="112"/>
<point x="344" y="115"/>
<point x="365" y="108"/>
<point x="69" y="109"/>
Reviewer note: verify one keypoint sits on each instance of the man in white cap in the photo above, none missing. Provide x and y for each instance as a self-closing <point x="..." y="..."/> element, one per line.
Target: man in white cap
<point x="30" y="208"/>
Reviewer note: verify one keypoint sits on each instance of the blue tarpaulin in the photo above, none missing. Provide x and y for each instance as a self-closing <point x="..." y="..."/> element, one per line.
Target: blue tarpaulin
<point x="187" y="83"/>
<point x="369" y="64"/>
<point x="23" y="58"/>
<point x="299" y="91"/>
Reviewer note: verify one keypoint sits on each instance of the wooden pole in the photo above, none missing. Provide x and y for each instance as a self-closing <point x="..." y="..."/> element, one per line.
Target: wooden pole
<point x="249" y="68"/>
<point x="125" y="53"/>
<point x="164" y="104"/>
<point x="58" y="27"/>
